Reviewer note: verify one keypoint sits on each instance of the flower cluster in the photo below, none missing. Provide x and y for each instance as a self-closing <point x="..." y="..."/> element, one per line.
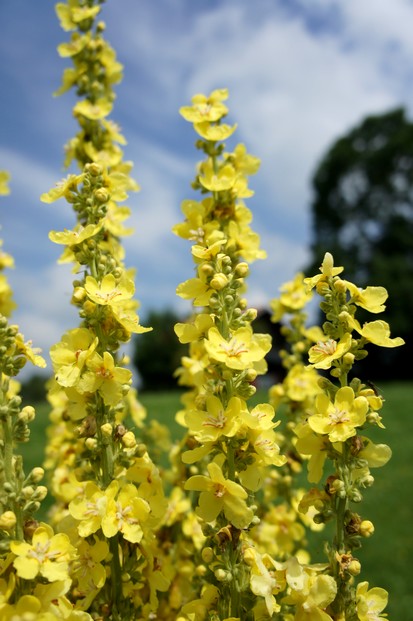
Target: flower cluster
<point x="108" y="493"/>
<point x="233" y="449"/>
<point x="32" y="557"/>
<point x="336" y="428"/>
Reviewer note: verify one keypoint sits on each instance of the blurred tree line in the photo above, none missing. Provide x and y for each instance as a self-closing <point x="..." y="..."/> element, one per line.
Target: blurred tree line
<point x="362" y="212"/>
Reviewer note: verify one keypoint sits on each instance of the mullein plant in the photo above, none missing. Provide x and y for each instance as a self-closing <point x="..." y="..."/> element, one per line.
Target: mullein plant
<point x="283" y="528"/>
<point x="109" y="495"/>
<point x="335" y="436"/>
<point x="229" y="445"/>
<point x="34" y="560"/>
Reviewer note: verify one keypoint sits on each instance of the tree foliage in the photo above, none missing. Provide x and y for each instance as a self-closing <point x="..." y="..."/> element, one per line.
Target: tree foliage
<point x="157" y="354"/>
<point x="363" y="214"/>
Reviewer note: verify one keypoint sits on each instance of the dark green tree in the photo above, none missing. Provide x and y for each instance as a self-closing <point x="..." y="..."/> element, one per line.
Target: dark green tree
<point x="363" y="214"/>
<point x="157" y="354"/>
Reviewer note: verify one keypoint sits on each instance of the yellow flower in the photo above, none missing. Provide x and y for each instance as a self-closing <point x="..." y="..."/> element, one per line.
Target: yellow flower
<point x="220" y="494"/>
<point x="205" y="108"/>
<point x="88" y="565"/>
<point x="371" y="298"/>
<point x="63" y="188"/>
<point x="265" y="580"/>
<point x="102" y="375"/>
<point x="339" y="420"/>
<point x="327" y="270"/>
<point x="309" y="443"/>
<point x="194" y="226"/>
<point x="241" y="350"/>
<point x="197" y="609"/>
<point x="70" y="354"/>
<point x="377" y="332"/>
<point x="108" y="291"/>
<point x="301" y="383"/>
<point x="47" y="555"/>
<point x="214" y="132"/>
<point x="197" y="289"/>
<point x="76" y="236"/>
<point x="74" y="46"/>
<point x="310" y="594"/>
<point x="70" y="15"/>
<point x="93" y="111"/>
<point x="29" y="352"/>
<point x="371" y="602"/>
<point x="187" y="332"/>
<point x="4" y="182"/>
<point x="216" y="421"/>
<point x="212" y="245"/>
<point x="128" y="318"/>
<point x="294" y="294"/>
<point x="323" y="353"/>
<point x="28" y="607"/>
<point x="376" y="455"/>
<point x="243" y="162"/>
<point x="261" y="417"/>
<point x="90" y="507"/>
<point x="266" y="447"/>
<point x="125" y="514"/>
<point x="247" y="241"/>
<point x="217" y="181"/>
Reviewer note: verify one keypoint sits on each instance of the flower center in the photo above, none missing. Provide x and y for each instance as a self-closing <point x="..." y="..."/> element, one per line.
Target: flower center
<point x="234" y="348"/>
<point x="218" y="421"/>
<point x="338" y="416"/>
<point x="219" y="490"/>
<point x="326" y="347"/>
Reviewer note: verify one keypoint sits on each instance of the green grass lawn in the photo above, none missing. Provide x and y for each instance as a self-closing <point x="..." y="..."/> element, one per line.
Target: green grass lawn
<point x="386" y="556"/>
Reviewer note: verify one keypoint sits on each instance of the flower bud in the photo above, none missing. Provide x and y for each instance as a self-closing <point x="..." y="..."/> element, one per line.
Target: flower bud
<point x="7" y="520"/>
<point x="354" y="567"/>
<point x="348" y="359"/>
<point x="207" y="555"/>
<point x="251" y="314"/>
<point x="91" y="443"/>
<point x="89" y="307"/>
<point x="340" y="285"/>
<point x="94" y="169"/>
<point x="242" y="270"/>
<point x="37" y="474"/>
<point x="366" y="528"/>
<point x="200" y="570"/>
<point x="78" y="294"/>
<point x="106" y="430"/>
<point x="128" y="439"/>
<point x="27" y="491"/>
<point x="250" y="375"/>
<point x="222" y="575"/>
<point x="27" y="414"/>
<point x="102" y="195"/>
<point x="219" y="281"/>
<point x="40" y="493"/>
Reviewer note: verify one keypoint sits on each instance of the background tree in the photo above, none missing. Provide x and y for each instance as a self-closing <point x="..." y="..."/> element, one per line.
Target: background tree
<point x="363" y="214"/>
<point x="157" y="354"/>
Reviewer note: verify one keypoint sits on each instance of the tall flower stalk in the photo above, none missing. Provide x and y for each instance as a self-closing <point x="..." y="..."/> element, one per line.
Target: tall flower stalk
<point x="108" y="491"/>
<point x="32" y="557"/>
<point x="337" y="430"/>
<point x="229" y="445"/>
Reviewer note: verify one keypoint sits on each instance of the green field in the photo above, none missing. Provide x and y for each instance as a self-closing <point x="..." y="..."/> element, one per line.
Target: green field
<point x="389" y="503"/>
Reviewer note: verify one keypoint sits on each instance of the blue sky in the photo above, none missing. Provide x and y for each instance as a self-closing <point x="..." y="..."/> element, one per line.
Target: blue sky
<point x="300" y="73"/>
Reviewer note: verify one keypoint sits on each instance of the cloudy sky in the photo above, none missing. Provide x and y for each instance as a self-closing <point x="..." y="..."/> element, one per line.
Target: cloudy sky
<point x="300" y="74"/>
